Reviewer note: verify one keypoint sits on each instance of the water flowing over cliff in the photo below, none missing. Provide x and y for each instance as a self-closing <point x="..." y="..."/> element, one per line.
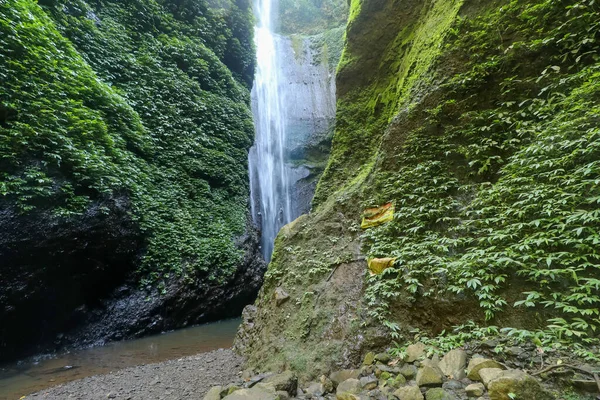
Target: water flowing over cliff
<point x="269" y="174"/>
<point x="293" y="102"/>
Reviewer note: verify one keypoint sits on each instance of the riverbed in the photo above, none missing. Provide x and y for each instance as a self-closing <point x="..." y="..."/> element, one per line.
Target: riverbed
<point x="42" y="372"/>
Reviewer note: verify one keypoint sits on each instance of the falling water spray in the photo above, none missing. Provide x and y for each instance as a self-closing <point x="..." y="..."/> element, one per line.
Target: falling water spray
<point x="270" y="186"/>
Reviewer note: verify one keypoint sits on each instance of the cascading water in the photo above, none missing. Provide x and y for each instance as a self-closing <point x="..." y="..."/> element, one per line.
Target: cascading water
<point x="293" y="102"/>
<point x="270" y="186"/>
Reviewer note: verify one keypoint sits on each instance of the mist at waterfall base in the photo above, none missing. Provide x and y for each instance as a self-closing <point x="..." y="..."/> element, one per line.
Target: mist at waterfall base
<point x="293" y="103"/>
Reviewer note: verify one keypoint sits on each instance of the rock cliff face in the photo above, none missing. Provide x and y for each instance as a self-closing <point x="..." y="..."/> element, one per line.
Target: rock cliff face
<point x="124" y="133"/>
<point x="478" y="120"/>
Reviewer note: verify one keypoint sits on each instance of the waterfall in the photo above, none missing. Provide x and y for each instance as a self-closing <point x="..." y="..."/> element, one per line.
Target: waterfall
<point x="293" y="102"/>
<point x="270" y="186"/>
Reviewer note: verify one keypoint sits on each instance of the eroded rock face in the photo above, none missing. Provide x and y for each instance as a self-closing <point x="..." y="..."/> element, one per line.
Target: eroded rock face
<point x="67" y="283"/>
<point x="53" y="269"/>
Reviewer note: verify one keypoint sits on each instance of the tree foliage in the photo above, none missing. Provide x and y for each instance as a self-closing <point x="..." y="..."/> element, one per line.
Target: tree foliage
<point x="141" y="97"/>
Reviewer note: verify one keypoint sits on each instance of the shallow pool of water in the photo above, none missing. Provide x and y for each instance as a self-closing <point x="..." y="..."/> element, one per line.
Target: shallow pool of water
<point x="31" y="376"/>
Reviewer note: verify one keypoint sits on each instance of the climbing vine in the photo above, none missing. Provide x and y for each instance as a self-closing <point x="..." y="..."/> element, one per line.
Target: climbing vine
<point x="499" y="188"/>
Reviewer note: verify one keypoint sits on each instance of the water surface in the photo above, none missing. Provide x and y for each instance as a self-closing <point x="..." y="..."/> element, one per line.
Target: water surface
<point x="30" y="376"/>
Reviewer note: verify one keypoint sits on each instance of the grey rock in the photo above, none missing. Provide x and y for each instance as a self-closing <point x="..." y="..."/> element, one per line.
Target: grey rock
<point x="409" y="393"/>
<point x="429" y="376"/>
<point x="351" y="386"/>
<point x="280" y="296"/>
<point x="489" y="374"/>
<point x="453" y="364"/>
<point x="518" y="382"/>
<point x="408" y="371"/>
<point x="475" y="390"/>
<point x="479" y="363"/>
<point x="339" y="376"/>
<point x="368" y="382"/>
<point x="452" y="385"/>
<point x="415" y="352"/>
<point x="286" y="381"/>
<point x="439" y="394"/>
<point x="214" y="393"/>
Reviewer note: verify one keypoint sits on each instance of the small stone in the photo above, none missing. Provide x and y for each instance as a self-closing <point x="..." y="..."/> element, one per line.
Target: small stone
<point x="367" y="370"/>
<point x="327" y="384"/>
<point x="429" y="376"/>
<point x="230" y="389"/>
<point x="346" y="396"/>
<point x="385" y="375"/>
<point x="316" y="389"/>
<point x="399" y="380"/>
<point x="408" y="371"/>
<point x="415" y="352"/>
<point x="258" y="392"/>
<point x="490" y="343"/>
<point x="453" y="364"/>
<point x="514" y="351"/>
<point x="523" y="386"/>
<point x="351" y="385"/>
<point x="381" y="368"/>
<point x="376" y="395"/>
<point x="339" y="376"/>
<point x="368" y="382"/>
<point x="369" y="359"/>
<point x="489" y="374"/>
<point x="214" y="393"/>
<point x="409" y="393"/>
<point x="586" y="385"/>
<point x="479" y="363"/>
<point x="111" y="396"/>
<point x="452" y="385"/>
<point x="383" y="358"/>
<point x="282" y="395"/>
<point x="280" y="296"/>
<point x="286" y="381"/>
<point x="475" y="390"/>
<point x="439" y="394"/>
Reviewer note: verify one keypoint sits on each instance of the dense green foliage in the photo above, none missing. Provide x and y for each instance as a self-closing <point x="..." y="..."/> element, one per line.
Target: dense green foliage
<point x="144" y="99"/>
<point x="311" y="17"/>
<point x="499" y="188"/>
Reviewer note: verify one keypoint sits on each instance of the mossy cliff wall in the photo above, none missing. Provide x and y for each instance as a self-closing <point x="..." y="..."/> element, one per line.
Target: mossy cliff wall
<point x="479" y="120"/>
<point x="124" y="134"/>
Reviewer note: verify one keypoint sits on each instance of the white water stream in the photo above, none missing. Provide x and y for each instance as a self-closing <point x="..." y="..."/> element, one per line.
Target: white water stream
<point x="270" y="186"/>
<point x="293" y="102"/>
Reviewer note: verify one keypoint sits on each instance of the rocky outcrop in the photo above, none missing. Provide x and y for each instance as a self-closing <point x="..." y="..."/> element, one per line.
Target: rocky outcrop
<point x="74" y="283"/>
<point x="431" y="110"/>
<point x="123" y="175"/>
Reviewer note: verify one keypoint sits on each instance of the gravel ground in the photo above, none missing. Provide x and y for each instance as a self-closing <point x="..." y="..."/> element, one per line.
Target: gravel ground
<point x="185" y="378"/>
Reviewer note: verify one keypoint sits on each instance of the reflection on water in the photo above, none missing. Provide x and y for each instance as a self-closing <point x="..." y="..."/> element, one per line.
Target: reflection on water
<point x="31" y="376"/>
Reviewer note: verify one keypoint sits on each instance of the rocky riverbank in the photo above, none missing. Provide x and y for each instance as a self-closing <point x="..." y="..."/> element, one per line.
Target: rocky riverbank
<point x="459" y="374"/>
<point x="184" y="378"/>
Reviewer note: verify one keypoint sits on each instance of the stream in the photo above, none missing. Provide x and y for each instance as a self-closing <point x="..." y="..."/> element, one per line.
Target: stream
<point x="42" y="372"/>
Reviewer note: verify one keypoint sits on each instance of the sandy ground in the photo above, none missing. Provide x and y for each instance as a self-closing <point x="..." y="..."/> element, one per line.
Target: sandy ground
<point x="185" y="378"/>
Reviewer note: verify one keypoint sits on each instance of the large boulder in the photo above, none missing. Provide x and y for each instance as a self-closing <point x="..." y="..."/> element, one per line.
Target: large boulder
<point x="339" y="376"/>
<point x="214" y="393"/>
<point x="453" y="364"/>
<point x="258" y="392"/>
<point x="287" y="382"/>
<point x="429" y="376"/>
<point x="477" y="364"/>
<point x="409" y="393"/>
<point x="414" y="352"/>
<point x="519" y="383"/>
<point x="349" y="386"/>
